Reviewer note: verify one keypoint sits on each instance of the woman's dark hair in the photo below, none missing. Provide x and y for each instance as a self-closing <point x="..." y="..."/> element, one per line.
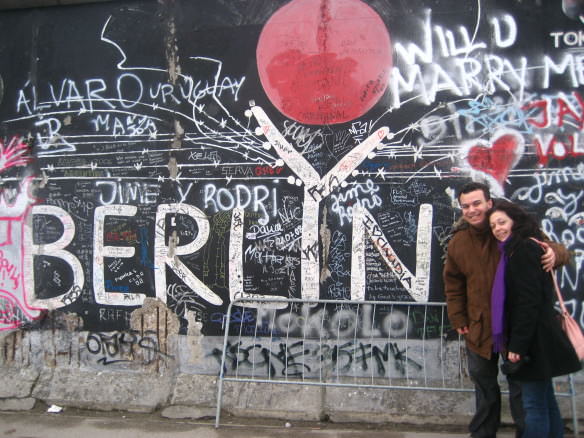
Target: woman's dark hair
<point x="524" y="224"/>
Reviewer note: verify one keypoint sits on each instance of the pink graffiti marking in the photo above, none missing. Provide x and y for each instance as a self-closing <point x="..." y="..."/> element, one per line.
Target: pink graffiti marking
<point x="496" y="158"/>
<point x="492" y="160"/>
<point x="15" y="210"/>
<point x="323" y="61"/>
<point x="9" y="317"/>
<point x="8" y="271"/>
<point x="14" y="153"/>
<point x="560" y="114"/>
<point x="14" y="309"/>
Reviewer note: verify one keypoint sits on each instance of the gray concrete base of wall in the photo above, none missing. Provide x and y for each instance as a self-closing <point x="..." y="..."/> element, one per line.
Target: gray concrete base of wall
<point x="144" y="371"/>
<point x="194" y="397"/>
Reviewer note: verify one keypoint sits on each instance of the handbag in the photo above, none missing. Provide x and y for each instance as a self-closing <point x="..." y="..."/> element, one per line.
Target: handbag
<point x="569" y="324"/>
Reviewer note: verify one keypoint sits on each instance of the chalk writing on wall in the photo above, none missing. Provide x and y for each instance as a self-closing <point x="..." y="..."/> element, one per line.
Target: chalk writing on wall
<point x="263" y="155"/>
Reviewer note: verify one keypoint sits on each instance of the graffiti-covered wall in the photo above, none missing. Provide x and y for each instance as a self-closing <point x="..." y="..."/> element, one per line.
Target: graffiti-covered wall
<point x="199" y="151"/>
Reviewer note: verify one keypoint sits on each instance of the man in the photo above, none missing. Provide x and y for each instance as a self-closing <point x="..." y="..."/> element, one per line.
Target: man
<point x="469" y="271"/>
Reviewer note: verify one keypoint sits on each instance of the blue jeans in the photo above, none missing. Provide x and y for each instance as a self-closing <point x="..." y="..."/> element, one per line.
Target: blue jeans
<point x="542" y="415"/>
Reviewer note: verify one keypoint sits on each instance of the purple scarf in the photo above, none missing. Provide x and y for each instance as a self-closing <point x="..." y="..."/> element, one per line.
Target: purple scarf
<point x="498" y="302"/>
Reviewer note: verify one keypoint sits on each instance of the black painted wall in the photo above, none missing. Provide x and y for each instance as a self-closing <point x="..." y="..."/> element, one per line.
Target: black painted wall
<point x="135" y="152"/>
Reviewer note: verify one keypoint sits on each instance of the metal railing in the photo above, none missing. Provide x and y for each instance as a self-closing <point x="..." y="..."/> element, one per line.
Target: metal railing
<point x="365" y="344"/>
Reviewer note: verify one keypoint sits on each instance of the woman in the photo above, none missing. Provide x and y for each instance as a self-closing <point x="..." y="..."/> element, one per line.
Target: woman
<point x="530" y="330"/>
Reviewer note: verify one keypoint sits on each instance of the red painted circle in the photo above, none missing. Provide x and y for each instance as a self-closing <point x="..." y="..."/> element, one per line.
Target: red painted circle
<point x="324" y="61"/>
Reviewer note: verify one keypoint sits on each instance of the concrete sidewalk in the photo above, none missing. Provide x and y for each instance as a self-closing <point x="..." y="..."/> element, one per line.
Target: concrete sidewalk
<point x="90" y="424"/>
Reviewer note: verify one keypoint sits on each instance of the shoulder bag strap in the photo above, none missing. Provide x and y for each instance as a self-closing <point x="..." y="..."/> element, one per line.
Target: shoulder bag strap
<point x="555" y="280"/>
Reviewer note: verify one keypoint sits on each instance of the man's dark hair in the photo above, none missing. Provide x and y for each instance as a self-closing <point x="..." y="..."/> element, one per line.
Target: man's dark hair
<point x="473" y="186"/>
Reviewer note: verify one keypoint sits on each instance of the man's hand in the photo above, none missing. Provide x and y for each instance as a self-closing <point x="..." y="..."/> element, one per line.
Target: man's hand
<point x="513" y="357"/>
<point x="462" y="330"/>
<point x="548" y="259"/>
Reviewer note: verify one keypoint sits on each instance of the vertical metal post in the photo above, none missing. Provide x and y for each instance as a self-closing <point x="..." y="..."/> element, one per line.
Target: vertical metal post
<point x="222" y="369"/>
<point x="573" y="403"/>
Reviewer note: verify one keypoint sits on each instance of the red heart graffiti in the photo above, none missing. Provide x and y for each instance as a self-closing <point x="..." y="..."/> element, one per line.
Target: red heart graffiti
<point x="496" y="160"/>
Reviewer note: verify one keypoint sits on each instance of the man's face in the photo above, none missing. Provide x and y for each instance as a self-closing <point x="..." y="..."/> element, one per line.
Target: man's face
<point x="474" y="206"/>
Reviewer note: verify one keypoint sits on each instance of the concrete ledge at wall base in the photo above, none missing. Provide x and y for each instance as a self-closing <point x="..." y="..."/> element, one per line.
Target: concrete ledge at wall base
<point x="194" y="396"/>
<point x="297" y="402"/>
<point x="17" y="382"/>
<point x="194" y="390"/>
<point x="287" y="402"/>
<point x="133" y="392"/>
<point x="400" y="406"/>
<point x="188" y="412"/>
<point x="17" y="404"/>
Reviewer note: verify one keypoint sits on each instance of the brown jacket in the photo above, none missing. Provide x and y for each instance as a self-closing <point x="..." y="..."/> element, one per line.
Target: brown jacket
<point x="470" y="267"/>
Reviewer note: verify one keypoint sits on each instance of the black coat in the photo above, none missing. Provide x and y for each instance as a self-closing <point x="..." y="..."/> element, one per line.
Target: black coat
<point x="533" y="328"/>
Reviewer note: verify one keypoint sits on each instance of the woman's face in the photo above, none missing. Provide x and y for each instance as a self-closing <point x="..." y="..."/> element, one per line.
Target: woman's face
<point x="501" y="225"/>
